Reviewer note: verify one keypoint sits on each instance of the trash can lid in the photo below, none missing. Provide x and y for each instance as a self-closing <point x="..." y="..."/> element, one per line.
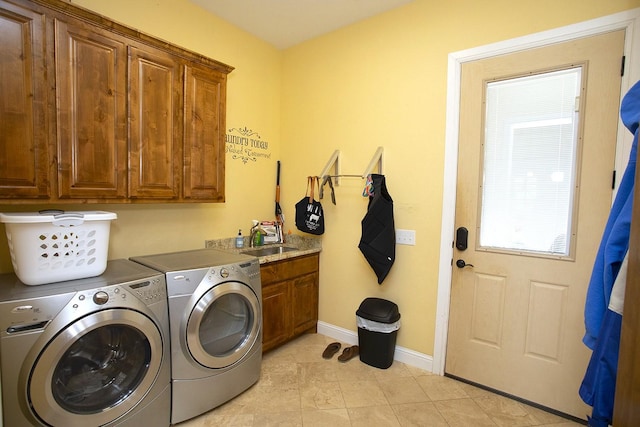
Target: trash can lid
<point x="379" y="310"/>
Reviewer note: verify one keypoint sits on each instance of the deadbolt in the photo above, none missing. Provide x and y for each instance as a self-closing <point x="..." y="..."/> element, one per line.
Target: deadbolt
<point x="462" y="236"/>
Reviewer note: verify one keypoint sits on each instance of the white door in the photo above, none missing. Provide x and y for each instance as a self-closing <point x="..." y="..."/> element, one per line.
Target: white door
<point x="536" y="154"/>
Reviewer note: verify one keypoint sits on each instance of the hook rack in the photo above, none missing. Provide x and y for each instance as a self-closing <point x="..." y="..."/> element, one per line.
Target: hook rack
<point x="334" y="162"/>
<point x="377" y="158"/>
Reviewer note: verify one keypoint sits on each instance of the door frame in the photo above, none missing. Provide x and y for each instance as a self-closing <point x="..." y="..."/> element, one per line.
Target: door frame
<point x="627" y="20"/>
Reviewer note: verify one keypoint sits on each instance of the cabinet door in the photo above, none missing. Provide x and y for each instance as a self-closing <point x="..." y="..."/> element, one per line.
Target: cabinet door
<point x="276" y="317"/>
<point x="155" y="121"/>
<point x="91" y="115"/>
<point x="204" y="141"/>
<point x="23" y="138"/>
<point x="305" y="303"/>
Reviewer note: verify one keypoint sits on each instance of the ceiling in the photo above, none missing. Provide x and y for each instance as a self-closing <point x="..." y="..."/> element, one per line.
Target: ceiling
<point x="285" y="23"/>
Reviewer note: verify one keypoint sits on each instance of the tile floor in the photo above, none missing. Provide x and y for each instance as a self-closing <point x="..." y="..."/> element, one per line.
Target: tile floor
<point x="299" y="388"/>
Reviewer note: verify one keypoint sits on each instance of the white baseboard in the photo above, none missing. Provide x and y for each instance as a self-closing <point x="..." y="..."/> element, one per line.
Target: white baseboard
<point x="401" y="354"/>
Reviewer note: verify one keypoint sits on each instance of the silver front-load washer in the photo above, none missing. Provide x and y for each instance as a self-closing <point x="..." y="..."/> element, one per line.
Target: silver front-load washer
<point x="87" y="352"/>
<point x="215" y="317"/>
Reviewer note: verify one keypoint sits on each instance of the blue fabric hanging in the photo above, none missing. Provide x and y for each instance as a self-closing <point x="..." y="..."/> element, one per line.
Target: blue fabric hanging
<point x="599" y="384"/>
<point x="613" y="247"/>
<point x="603" y="325"/>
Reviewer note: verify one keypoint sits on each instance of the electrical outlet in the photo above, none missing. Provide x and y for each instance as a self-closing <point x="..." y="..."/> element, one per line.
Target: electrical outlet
<point x="405" y="237"/>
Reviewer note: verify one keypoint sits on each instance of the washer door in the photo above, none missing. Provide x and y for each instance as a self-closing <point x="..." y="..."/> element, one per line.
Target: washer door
<point x="97" y="369"/>
<point x="224" y="325"/>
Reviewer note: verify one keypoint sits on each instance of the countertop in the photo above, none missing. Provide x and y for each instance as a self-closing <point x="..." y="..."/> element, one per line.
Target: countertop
<point x="304" y="246"/>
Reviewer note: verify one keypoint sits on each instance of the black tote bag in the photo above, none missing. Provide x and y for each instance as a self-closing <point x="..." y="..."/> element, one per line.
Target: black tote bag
<point x="309" y="213"/>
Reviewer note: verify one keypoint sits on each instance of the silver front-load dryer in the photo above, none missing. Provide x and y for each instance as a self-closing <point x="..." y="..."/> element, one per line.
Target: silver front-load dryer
<point x="87" y="352"/>
<point x="215" y="318"/>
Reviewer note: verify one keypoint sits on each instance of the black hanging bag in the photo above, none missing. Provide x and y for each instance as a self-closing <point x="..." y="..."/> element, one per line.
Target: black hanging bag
<point x="309" y="213"/>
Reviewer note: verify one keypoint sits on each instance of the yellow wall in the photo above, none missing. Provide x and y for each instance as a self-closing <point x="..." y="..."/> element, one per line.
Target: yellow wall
<point x="380" y="82"/>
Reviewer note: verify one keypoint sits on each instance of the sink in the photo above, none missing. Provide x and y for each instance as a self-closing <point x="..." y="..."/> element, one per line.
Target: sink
<point x="268" y="250"/>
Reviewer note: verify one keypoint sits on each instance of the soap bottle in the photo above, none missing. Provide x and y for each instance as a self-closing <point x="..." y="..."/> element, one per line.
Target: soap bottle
<point x="239" y="239"/>
<point x="256" y="238"/>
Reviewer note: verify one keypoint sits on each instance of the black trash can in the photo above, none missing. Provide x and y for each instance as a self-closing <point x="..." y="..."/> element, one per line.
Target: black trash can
<point x="378" y="323"/>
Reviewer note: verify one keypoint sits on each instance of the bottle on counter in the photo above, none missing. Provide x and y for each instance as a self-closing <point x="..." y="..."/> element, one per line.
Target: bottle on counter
<point x="239" y="239"/>
<point x="258" y="239"/>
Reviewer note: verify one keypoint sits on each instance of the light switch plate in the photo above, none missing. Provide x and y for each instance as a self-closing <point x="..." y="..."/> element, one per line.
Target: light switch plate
<point x="405" y="237"/>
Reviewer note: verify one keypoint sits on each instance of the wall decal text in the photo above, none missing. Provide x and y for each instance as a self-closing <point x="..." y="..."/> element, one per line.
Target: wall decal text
<point x="246" y="145"/>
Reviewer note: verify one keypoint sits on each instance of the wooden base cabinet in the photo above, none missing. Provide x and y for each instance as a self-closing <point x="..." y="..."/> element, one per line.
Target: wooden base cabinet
<point x="276" y="321"/>
<point x="289" y="299"/>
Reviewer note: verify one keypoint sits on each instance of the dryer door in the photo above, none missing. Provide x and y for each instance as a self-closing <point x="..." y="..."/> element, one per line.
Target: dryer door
<point x="97" y="369"/>
<point x="224" y="325"/>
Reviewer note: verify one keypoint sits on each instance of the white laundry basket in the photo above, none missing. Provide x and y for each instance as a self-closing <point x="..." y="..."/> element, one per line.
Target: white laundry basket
<point x="52" y="246"/>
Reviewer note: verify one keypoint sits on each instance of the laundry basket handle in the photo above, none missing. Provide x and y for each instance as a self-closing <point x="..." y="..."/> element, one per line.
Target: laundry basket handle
<point x="68" y="219"/>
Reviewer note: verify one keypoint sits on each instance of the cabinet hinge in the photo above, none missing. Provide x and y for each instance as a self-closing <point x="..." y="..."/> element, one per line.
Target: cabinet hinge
<point x="613" y="180"/>
<point x="624" y="58"/>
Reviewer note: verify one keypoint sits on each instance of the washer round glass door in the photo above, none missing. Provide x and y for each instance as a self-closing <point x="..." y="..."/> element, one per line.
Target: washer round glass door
<point x="97" y="369"/>
<point x="224" y="325"/>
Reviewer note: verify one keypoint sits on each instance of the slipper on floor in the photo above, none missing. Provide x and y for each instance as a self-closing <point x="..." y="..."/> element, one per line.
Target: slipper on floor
<point x="349" y="353"/>
<point x="331" y="350"/>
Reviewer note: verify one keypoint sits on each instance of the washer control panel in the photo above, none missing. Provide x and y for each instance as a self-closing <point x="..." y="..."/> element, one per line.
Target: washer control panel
<point x="251" y="268"/>
<point x="101" y="297"/>
<point x="151" y="291"/>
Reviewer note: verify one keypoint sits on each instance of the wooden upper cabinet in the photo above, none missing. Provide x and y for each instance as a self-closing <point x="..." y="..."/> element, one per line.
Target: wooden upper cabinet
<point x="204" y="136"/>
<point x="155" y="121"/>
<point x="91" y="113"/>
<point x="23" y="98"/>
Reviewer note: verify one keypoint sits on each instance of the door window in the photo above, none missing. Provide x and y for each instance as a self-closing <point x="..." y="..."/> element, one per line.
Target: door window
<point x="101" y="369"/>
<point x="530" y="156"/>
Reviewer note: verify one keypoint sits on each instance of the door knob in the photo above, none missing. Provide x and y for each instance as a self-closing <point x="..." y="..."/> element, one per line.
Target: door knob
<point x="461" y="264"/>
